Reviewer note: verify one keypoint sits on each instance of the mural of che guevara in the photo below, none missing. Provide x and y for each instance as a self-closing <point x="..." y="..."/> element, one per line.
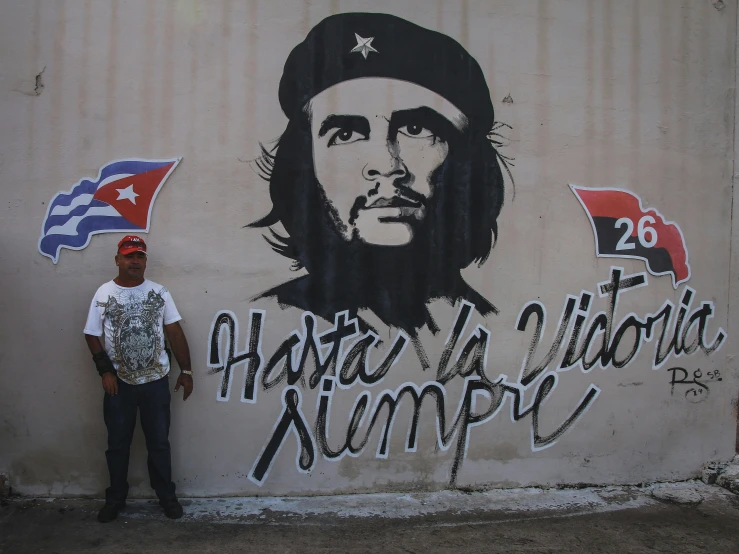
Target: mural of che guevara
<point x="386" y="178"/>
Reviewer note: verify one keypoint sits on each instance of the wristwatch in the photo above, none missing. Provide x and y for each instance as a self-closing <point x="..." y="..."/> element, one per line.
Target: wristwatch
<point x="186" y="371"/>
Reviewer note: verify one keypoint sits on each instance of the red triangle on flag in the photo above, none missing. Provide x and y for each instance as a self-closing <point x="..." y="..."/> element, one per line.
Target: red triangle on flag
<point x="132" y="196"/>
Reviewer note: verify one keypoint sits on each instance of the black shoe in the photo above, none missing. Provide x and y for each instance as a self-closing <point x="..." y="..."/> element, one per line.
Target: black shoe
<point x="109" y="512"/>
<point x="172" y="508"/>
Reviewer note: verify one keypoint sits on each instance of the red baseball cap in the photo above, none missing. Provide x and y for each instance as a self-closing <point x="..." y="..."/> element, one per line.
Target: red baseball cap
<point x="131" y="243"/>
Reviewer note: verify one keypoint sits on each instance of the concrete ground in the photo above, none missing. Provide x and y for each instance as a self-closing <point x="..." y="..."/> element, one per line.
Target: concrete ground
<point x="683" y="517"/>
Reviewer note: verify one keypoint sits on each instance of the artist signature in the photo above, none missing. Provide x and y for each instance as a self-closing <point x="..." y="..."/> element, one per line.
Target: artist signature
<point x="697" y="388"/>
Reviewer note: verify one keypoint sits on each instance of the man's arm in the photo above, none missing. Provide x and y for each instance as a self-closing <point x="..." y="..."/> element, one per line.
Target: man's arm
<point x="110" y="381"/>
<point x="178" y="342"/>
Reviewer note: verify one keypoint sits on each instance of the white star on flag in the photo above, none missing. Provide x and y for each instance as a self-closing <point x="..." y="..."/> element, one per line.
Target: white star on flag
<point x="364" y="46"/>
<point x="127" y="194"/>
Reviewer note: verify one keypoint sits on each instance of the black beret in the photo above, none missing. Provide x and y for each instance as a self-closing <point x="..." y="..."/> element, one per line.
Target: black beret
<point x="338" y="49"/>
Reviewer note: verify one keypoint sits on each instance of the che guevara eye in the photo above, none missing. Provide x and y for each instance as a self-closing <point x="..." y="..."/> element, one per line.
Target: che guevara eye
<point x="414" y="130"/>
<point x="345" y="136"/>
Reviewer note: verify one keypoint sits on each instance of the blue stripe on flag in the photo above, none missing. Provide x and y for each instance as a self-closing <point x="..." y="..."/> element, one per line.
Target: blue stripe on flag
<point x="54" y="220"/>
<point x="51" y="244"/>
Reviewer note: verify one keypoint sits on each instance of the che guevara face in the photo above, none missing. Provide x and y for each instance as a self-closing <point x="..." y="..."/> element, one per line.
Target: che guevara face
<point x="376" y="145"/>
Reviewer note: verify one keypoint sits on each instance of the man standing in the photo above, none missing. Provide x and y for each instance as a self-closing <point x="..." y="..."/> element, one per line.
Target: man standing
<point x="134" y="313"/>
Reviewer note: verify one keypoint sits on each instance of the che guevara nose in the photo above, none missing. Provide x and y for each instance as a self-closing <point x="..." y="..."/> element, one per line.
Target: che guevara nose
<point x="383" y="162"/>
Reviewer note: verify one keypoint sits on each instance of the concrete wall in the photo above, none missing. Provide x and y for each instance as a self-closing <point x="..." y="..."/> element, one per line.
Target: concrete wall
<point x="633" y="95"/>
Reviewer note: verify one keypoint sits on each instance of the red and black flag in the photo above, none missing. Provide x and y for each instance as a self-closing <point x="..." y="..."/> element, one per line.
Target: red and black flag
<point x="624" y="229"/>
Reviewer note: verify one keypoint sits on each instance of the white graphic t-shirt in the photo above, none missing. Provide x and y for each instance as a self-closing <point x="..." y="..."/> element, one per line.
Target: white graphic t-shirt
<point x="132" y="320"/>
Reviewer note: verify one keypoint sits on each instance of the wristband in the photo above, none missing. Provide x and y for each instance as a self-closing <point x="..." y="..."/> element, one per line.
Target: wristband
<point x="186" y="372"/>
<point x="103" y="363"/>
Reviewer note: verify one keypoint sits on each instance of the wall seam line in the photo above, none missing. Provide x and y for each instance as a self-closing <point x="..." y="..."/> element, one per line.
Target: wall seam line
<point x="733" y="170"/>
<point x="730" y="313"/>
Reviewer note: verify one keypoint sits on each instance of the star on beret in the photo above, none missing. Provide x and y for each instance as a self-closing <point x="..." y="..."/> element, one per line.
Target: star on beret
<point x="364" y="46"/>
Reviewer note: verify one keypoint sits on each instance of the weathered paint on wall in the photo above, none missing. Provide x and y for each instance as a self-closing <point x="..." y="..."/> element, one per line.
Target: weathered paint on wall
<point x="636" y="96"/>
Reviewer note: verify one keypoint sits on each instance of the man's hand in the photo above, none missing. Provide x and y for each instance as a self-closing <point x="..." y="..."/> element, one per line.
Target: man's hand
<point x="110" y="383"/>
<point x="184" y="381"/>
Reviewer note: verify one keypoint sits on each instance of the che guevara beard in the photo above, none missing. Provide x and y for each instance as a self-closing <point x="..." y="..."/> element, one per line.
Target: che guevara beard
<point x="396" y="282"/>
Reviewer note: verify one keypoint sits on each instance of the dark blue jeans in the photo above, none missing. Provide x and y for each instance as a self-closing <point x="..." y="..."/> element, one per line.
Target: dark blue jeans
<point x="152" y="401"/>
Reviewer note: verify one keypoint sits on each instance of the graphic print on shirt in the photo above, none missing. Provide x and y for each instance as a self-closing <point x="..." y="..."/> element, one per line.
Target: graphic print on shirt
<point x="137" y="344"/>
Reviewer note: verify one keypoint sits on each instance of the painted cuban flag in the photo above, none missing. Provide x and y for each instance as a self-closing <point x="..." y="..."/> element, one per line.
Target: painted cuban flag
<point x="120" y="199"/>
